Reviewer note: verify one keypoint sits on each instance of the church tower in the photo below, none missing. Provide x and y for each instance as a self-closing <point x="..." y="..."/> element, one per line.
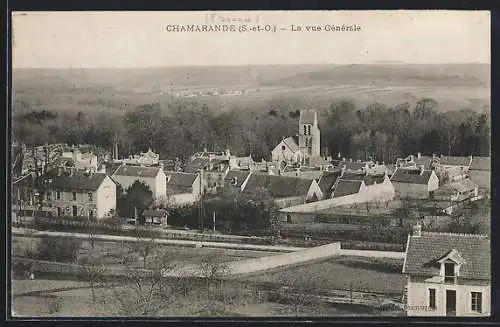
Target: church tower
<point x="309" y="134"/>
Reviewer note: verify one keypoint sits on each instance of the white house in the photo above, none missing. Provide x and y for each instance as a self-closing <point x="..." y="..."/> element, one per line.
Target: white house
<point x="183" y="187"/>
<point x="447" y="274"/>
<point x="154" y="177"/>
<point x="87" y="195"/>
<point x="414" y="183"/>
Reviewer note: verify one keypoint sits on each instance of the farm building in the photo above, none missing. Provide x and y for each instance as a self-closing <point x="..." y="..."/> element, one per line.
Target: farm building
<point x="414" y="183"/>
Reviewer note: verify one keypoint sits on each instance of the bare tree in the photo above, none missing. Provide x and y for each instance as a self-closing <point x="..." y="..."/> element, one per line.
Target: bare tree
<point x="299" y="290"/>
<point x="144" y="244"/>
<point x="212" y="269"/>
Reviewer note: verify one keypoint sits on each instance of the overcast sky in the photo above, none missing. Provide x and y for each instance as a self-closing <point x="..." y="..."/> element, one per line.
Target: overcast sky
<point x="140" y="39"/>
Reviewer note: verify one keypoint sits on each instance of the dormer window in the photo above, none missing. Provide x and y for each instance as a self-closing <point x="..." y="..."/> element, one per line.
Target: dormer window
<point x="449" y="272"/>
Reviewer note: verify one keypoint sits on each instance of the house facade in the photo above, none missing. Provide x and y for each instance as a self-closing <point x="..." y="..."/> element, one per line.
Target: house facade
<point x="414" y="183"/>
<point x="183" y="187"/>
<point x="153" y="177"/>
<point x="447" y="274"/>
<point x="84" y="195"/>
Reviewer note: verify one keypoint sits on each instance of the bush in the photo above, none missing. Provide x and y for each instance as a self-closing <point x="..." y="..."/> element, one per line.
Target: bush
<point x="58" y="249"/>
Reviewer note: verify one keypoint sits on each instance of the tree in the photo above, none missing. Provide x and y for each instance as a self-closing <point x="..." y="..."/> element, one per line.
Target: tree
<point x="58" y="249"/>
<point x="138" y="197"/>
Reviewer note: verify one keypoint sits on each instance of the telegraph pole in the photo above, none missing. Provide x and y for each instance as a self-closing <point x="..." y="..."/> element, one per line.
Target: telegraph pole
<point x="200" y="214"/>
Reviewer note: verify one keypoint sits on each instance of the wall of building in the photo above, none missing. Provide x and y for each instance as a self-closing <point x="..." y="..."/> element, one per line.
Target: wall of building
<point x="380" y="192"/>
<point x="161" y="184"/>
<point x="183" y="198"/>
<point x="414" y="191"/>
<point x="83" y="202"/>
<point x="418" y="298"/>
<point x="105" y="197"/>
<point x="278" y="154"/>
<point x="481" y="178"/>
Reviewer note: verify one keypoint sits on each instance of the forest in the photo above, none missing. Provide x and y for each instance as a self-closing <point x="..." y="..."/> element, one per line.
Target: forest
<point x="179" y="129"/>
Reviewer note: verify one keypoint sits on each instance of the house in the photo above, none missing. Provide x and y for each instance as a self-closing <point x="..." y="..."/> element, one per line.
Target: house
<point x="447" y="274"/>
<point x="85" y="195"/>
<point x="299" y="148"/>
<point x="457" y="191"/>
<point x="148" y="158"/>
<point x="158" y="217"/>
<point x="242" y="163"/>
<point x="480" y="172"/>
<point x="415" y="183"/>
<point x="236" y="180"/>
<point x="74" y="157"/>
<point x="455" y="162"/>
<point x="419" y="160"/>
<point x="284" y="190"/>
<point x="153" y="177"/>
<point x="183" y="187"/>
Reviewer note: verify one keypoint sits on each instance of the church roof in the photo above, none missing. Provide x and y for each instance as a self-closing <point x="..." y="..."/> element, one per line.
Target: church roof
<point x="307" y="117"/>
<point x="292" y="143"/>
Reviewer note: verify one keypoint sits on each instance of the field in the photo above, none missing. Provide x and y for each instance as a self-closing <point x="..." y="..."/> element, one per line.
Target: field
<point x="454" y="87"/>
<point x="362" y="274"/>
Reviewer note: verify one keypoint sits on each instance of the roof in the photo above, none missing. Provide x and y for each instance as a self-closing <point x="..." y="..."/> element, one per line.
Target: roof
<point x="481" y="163"/>
<point x="196" y="164"/>
<point x="423" y="253"/>
<point x="307" y="117"/>
<point x="317" y="161"/>
<point x="240" y="176"/>
<point x="279" y="186"/>
<point x="180" y="179"/>
<point x="346" y="187"/>
<point x="78" y="182"/>
<point x="423" y="160"/>
<point x="292" y="143"/>
<point x="411" y="176"/>
<point x="464" y="185"/>
<point x="154" y="213"/>
<point x="126" y="170"/>
<point x="455" y="161"/>
<point x="327" y="180"/>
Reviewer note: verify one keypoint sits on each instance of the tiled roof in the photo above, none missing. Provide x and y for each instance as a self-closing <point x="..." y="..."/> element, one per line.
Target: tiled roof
<point x="424" y="251"/>
<point x="278" y="186"/>
<point x="481" y="163"/>
<point x="196" y="164"/>
<point x="327" y="181"/>
<point x="346" y="187"/>
<point x="136" y="171"/>
<point x="306" y="117"/>
<point x="292" y="143"/>
<point x="455" y="161"/>
<point x="78" y="182"/>
<point x="240" y="176"/>
<point x="180" y="179"/>
<point x="411" y="176"/>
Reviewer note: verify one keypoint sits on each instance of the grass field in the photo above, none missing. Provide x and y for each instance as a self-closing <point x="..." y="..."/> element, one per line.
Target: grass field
<point x="344" y="272"/>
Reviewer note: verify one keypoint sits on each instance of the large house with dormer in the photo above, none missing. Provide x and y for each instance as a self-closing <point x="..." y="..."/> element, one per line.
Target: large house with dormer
<point x="447" y="274"/>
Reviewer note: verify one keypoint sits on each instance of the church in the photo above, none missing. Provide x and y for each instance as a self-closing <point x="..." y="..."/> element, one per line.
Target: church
<point x="301" y="148"/>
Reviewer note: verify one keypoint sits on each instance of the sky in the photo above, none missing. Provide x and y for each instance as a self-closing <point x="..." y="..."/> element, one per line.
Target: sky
<point x="140" y="39"/>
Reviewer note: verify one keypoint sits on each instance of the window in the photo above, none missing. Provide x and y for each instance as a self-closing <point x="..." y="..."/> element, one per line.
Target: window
<point x="48" y="196"/>
<point x="476" y="303"/>
<point x="74" y="196"/>
<point x="308" y="129"/>
<point x="289" y="219"/>
<point x="432" y="298"/>
<point x="305" y="130"/>
<point x="58" y="195"/>
<point x="282" y="148"/>
<point x="449" y="272"/>
<point x="90" y="197"/>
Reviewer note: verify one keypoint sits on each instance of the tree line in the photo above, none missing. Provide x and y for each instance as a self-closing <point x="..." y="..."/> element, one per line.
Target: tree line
<point x="177" y="130"/>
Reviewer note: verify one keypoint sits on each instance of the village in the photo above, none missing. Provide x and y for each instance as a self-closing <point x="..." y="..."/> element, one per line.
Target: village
<point x="413" y="208"/>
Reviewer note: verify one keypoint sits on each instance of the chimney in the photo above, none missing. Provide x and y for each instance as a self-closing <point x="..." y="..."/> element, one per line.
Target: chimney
<point x="433" y="156"/>
<point x="161" y="165"/>
<point x="343" y="159"/>
<point x="419" y="155"/>
<point x="342" y="170"/>
<point x="422" y="168"/>
<point x="417" y="230"/>
<point x="350" y="159"/>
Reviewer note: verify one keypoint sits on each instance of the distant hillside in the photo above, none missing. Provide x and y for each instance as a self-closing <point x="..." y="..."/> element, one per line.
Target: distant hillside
<point x="25" y="80"/>
<point x="394" y="74"/>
